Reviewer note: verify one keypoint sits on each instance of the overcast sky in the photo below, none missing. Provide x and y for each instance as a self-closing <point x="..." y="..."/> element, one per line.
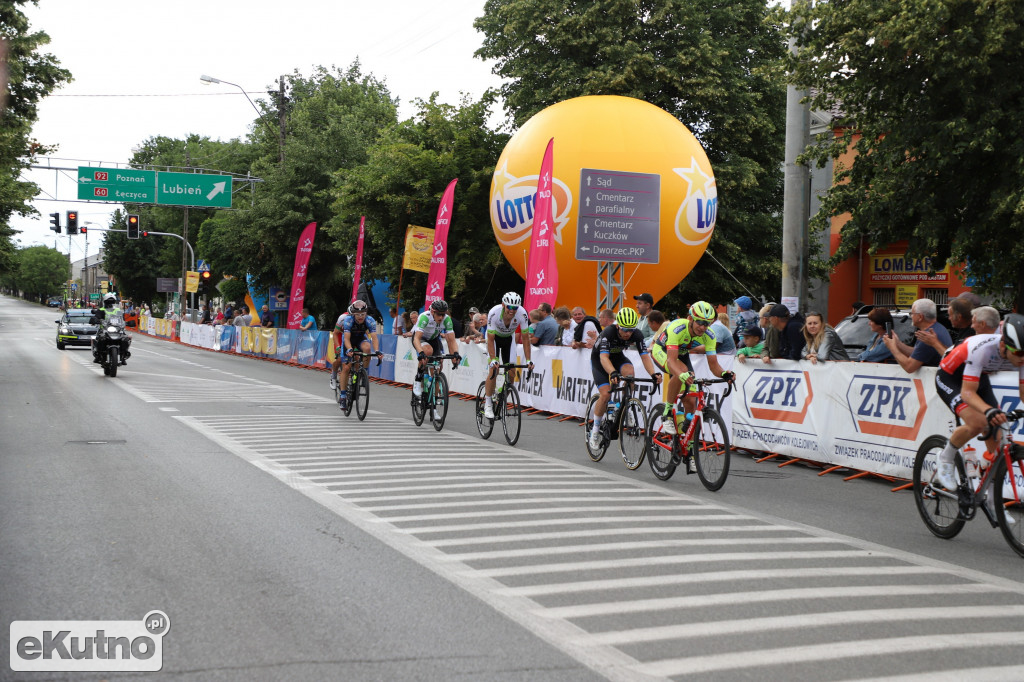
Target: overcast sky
<point x="136" y="66"/>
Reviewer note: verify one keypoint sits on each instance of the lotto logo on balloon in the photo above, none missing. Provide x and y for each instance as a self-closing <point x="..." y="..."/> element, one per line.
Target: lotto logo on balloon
<point x="512" y="205"/>
<point x="656" y="212"/>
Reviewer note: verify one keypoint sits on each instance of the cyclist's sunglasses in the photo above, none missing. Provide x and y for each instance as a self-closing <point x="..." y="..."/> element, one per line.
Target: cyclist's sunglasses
<point x="513" y="308"/>
<point x="701" y="323"/>
<point x="628" y="330"/>
<point x="1014" y="351"/>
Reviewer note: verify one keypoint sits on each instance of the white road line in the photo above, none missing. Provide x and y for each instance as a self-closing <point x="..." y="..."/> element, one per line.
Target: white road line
<point x="514" y="493"/>
<point x="762" y="597"/>
<point x="1000" y="673"/>
<point x="669" y="560"/>
<point x="575" y="521"/>
<point x="631" y="546"/>
<point x="503" y="484"/>
<point x="716" y="576"/>
<point x="809" y="620"/>
<point x="699" y="665"/>
<point x="524" y="501"/>
<point x="601" y="532"/>
<point x="409" y="466"/>
<point x="477" y="514"/>
<point x="454" y="475"/>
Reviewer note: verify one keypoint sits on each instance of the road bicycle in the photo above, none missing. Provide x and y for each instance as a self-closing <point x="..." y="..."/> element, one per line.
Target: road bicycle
<point x="703" y="442"/>
<point x="945" y="512"/>
<point x="434" y="397"/>
<point x="358" y="385"/>
<point x="507" y="407"/>
<point x="626" y="423"/>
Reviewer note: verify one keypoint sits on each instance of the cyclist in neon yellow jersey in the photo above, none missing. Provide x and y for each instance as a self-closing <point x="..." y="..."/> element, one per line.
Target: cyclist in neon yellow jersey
<point x="671" y="353"/>
<point x="502" y="321"/>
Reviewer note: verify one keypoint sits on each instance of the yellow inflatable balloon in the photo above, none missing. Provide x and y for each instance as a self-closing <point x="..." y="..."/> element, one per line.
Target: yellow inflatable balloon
<point x="631" y="185"/>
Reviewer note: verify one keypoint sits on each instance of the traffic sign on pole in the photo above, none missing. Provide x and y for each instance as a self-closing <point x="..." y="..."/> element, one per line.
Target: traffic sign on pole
<point x="620" y="216"/>
<point x="117" y="184"/>
<point x="194" y="189"/>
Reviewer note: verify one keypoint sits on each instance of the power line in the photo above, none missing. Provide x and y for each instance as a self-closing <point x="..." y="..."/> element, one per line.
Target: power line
<point x="183" y="94"/>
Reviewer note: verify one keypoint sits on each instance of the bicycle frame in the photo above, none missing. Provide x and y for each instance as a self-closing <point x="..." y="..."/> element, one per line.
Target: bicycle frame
<point x="501" y="394"/>
<point x="686" y="438"/>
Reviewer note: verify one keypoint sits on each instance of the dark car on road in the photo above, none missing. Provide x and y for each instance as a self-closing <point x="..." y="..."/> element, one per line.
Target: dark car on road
<point x="856" y="334"/>
<point x="75" y="328"/>
<point x="55" y="303"/>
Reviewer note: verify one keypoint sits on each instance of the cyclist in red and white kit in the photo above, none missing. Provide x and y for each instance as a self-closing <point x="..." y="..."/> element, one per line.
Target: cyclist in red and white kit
<point x="962" y="382"/>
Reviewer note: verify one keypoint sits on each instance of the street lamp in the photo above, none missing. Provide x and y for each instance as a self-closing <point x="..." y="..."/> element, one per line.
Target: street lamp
<point x="280" y="105"/>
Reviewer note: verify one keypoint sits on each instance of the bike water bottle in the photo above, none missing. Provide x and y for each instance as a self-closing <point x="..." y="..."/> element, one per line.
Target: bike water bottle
<point x="613" y="411"/>
<point x="971" y="464"/>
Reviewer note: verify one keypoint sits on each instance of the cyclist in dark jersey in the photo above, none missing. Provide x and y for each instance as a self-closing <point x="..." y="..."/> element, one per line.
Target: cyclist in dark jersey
<point x="608" y="361"/>
<point x="962" y="382"/>
<point x="354" y="331"/>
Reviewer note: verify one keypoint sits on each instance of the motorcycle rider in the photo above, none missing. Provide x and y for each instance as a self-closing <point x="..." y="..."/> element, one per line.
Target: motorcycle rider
<point x="109" y="311"/>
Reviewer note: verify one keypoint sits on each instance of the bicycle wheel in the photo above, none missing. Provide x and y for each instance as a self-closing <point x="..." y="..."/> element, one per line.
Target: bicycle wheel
<point x="511" y="415"/>
<point x="353" y="384"/>
<point x="362" y="397"/>
<point x="439" y="410"/>
<point x="1009" y="506"/>
<point x="419" y="403"/>
<point x="588" y="423"/>
<point x="711" y="450"/>
<point x="633" y="434"/>
<point x="484" y="425"/>
<point x="939" y="509"/>
<point x="660" y="445"/>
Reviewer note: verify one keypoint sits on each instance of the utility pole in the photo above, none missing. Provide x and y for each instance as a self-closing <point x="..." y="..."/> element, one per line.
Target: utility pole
<point x="280" y="115"/>
<point x="184" y="251"/>
<point x="796" y="195"/>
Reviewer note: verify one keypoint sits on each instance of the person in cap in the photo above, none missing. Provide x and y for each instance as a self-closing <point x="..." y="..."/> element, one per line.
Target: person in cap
<point x="753" y="344"/>
<point x="790" y="328"/>
<point x="745" y="318"/>
<point x="644" y="303"/>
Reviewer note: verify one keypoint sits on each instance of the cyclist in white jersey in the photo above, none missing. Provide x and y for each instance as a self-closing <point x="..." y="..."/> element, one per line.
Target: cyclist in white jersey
<point x="962" y="382"/>
<point x="426" y="339"/>
<point x="502" y="321"/>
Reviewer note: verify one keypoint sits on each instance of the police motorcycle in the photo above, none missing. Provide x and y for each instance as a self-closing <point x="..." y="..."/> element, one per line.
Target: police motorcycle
<point x="110" y="345"/>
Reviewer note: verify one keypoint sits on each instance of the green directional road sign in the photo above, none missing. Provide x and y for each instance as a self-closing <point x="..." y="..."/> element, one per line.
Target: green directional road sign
<point x="117" y="184"/>
<point x="194" y="189"/>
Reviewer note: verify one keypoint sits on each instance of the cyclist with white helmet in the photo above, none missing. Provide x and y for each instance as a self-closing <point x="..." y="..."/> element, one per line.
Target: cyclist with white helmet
<point x="354" y="331"/>
<point x="962" y="382"/>
<point x="426" y="339"/>
<point x="608" y="362"/>
<point x="671" y="352"/>
<point x="502" y="321"/>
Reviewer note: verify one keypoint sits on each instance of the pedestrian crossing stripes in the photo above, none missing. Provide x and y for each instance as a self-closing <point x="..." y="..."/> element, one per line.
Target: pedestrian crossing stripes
<point x="637" y="580"/>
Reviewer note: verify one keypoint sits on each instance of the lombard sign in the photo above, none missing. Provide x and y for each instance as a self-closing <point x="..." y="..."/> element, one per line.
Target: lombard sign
<point x="887" y="406"/>
<point x="778" y="395"/>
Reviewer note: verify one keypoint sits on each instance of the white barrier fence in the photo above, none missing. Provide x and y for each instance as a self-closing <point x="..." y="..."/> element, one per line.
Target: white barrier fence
<point x="865" y="416"/>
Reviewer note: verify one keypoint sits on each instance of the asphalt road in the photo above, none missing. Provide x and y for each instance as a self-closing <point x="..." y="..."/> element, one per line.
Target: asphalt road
<point x="286" y="541"/>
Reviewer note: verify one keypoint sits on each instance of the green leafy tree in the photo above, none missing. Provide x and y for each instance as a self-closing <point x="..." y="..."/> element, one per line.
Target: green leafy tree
<point x="333" y="119"/>
<point x="401" y="184"/>
<point x="42" y="272"/>
<point x="930" y="100"/>
<point x="31" y="76"/>
<point x="716" y="66"/>
<point x="134" y="263"/>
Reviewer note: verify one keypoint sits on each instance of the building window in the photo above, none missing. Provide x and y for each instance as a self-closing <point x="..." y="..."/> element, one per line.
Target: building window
<point x="940" y="296"/>
<point x="885" y="298"/>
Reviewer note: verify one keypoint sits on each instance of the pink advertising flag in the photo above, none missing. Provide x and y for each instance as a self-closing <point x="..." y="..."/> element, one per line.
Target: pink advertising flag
<point x="302" y="254"/>
<point x="439" y="259"/>
<point x="359" y="258"/>
<point x="542" y="271"/>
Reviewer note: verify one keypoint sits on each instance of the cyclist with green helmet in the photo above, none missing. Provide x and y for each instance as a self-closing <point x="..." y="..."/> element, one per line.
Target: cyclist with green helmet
<point x="671" y="353"/>
<point x="608" y="361"/>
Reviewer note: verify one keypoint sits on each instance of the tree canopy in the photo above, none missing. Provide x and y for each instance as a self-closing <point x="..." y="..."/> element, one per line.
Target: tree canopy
<point x="929" y="96"/>
<point x="31" y="76"/>
<point x="715" y="66"/>
<point x="38" y="272"/>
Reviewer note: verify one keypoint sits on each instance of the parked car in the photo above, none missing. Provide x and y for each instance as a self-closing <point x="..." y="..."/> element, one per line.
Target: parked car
<point x="856" y="333"/>
<point x="54" y="303"/>
<point x="75" y="328"/>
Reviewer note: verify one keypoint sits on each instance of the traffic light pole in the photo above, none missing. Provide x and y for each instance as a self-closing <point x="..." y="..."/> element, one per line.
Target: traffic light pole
<point x="190" y="251"/>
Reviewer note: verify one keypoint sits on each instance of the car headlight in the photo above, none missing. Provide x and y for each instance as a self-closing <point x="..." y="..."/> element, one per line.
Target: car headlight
<point x="63" y="329"/>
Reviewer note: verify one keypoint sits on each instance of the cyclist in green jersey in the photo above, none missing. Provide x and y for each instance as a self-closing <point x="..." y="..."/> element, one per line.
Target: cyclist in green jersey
<point x="431" y="326"/>
<point x="671" y="353"/>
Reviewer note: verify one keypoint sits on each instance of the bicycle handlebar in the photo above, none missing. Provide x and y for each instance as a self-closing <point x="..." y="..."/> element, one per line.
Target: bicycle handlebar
<point x="703" y="383"/>
<point x="379" y="357"/>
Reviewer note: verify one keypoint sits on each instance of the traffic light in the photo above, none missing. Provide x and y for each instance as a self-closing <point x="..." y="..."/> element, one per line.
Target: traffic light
<point x="145" y="234"/>
<point x="55" y="222"/>
<point x="83" y="229"/>
<point x="72" y="222"/>
<point x="133" y="227"/>
<point x="204" y="281"/>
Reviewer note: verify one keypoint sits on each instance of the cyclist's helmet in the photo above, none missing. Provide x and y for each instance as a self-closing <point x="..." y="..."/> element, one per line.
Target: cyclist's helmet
<point x="357" y="307"/>
<point x="439" y="306"/>
<point x="110" y="299"/>
<point x="703" y="312"/>
<point x="1013" y="332"/>
<point x="512" y="299"/>
<point x="627" y="318"/>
